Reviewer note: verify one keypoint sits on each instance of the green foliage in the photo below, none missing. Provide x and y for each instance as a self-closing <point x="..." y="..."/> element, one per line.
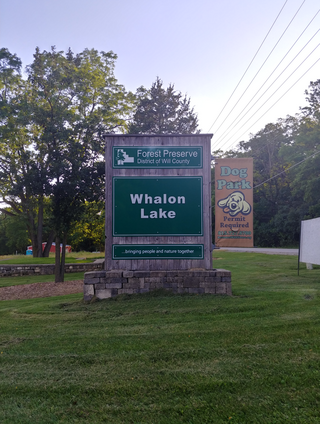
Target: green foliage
<point x="32" y="279"/>
<point x="52" y="152"/>
<point x="163" y="111"/>
<point x="13" y="235"/>
<point x="249" y="358"/>
<point x="89" y="233"/>
<point x="286" y="158"/>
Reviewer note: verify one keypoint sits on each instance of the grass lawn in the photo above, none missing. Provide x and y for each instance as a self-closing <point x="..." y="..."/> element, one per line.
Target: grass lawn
<point x="73" y="257"/>
<point x="30" y="279"/>
<point x="161" y="358"/>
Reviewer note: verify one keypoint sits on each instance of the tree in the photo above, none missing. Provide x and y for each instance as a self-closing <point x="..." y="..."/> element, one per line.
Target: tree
<point x="76" y="99"/>
<point x="274" y="223"/>
<point x="88" y="233"/>
<point x="67" y="103"/>
<point x="163" y="111"/>
<point x="306" y="149"/>
<point x="13" y="235"/>
<point x="19" y="177"/>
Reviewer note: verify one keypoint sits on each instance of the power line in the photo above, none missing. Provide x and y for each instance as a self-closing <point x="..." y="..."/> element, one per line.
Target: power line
<point x="286" y="170"/>
<point x="234" y="123"/>
<point x="260" y="67"/>
<point x="249" y="65"/>
<point x="276" y="91"/>
<point x="222" y="137"/>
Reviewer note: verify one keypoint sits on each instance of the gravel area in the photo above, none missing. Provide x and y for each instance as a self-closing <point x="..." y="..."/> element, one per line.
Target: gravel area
<point x="31" y="291"/>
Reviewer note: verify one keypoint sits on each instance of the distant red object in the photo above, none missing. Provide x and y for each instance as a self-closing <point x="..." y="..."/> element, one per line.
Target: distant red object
<point x="53" y="248"/>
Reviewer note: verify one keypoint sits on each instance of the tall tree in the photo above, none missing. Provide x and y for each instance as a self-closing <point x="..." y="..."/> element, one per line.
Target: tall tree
<point x="163" y="111"/>
<point x="76" y="99"/>
<point x="272" y="219"/>
<point x="306" y="150"/>
<point x="68" y="102"/>
<point x="19" y="179"/>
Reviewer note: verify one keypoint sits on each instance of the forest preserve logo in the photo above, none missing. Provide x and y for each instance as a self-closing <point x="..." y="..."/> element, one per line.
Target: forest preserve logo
<point x="122" y="157"/>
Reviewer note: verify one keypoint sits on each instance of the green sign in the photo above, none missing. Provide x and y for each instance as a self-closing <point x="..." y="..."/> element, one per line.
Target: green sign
<point x="156" y="157"/>
<point x="157" y="251"/>
<point x="153" y="206"/>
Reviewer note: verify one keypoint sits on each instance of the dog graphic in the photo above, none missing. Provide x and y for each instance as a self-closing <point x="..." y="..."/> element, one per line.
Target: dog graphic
<point x="234" y="204"/>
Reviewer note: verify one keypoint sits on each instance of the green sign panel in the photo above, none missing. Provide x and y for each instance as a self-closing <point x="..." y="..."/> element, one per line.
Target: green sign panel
<point x="156" y="157"/>
<point x="152" y="206"/>
<point x="159" y="251"/>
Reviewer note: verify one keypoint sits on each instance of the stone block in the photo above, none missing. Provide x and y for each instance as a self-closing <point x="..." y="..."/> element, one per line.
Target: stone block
<point x="212" y="280"/>
<point x="113" y="285"/>
<point x="153" y="280"/>
<point x="154" y="286"/>
<point x="170" y="285"/>
<point x="141" y="274"/>
<point x="125" y="291"/>
<point x="176" y="280"/>
<point x="205" y="284"/>
<point x="100" y="286"/>
<point x="132" y="283"/>
<point x="210" y="290"/>
<point x="127" y="274"/>
<point x="221" y="288"/>
<point x="182" y="290"/>
<point x="222" y="273"/>
<point x="95" y="274"/>
<point x="197" y="273"/>
<point x="142" y="283"/>
<point x="88" y="292"/>
<point x="211" y="272"/>
<point x="113" y="274"/>
<point x="91" y="280"/>
<point x="191" y="282"/>
<point x="175" y="273"/>
<point x="160" y="274"/>
<point x="196" y="290"/>
<point x="226" y="279"/>
<point x="120" y="280"/>
<point x="103" y="294"/>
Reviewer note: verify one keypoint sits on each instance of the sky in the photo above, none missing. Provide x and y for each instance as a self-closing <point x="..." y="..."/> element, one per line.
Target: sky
<point x="243" y="64"/>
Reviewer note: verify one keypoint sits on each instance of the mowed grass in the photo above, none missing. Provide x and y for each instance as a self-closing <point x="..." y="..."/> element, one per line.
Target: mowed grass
<point x="161" y="358"/>
<point x="31" y="279"/>
<point x="72" y="257"/>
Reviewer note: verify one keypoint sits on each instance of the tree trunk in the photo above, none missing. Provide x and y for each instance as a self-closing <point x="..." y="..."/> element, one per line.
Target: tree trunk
<point x="40" y="226"/>
<point x="33" y="236"/>
<point x="34" y="241"/>
<point x="47" y="248"/>
<point x="63" y="257"/>
<point x="57" y="278"/>
<point x="59" y="266"/>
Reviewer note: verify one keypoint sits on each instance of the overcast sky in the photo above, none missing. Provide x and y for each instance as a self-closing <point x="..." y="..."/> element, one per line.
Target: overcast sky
<point x="203" y="47"/>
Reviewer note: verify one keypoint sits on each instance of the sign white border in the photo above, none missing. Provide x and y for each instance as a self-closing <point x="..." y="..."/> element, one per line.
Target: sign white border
<point x="310" y="241"/>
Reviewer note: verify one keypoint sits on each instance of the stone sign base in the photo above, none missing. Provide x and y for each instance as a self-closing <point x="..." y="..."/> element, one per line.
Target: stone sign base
<point x="105" y="284"/>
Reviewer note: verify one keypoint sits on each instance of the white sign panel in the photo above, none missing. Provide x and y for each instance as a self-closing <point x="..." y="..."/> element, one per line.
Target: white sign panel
<point x="310" y="241"/>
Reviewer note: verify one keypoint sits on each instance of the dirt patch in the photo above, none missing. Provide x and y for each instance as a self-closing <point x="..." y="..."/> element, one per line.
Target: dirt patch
<point x="31" y="291"/>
